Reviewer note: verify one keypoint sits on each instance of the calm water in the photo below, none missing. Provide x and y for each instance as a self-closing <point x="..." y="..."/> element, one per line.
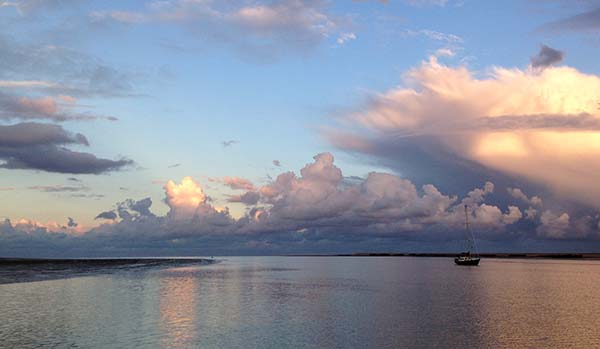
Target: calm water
<point x="312" y="302"/>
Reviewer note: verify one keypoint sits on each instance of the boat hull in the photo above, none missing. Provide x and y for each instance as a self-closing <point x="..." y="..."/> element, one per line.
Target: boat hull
<point x="465" y="261"/>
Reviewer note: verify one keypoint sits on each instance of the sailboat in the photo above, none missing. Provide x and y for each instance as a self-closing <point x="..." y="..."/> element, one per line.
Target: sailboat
<point x="468" y="258"/>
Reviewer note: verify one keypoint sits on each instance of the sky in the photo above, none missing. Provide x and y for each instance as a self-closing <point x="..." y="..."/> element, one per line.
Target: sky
<point x="199" y="127"/>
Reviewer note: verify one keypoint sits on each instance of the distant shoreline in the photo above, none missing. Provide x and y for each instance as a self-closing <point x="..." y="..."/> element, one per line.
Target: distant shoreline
<point x="118" y="261"/>
<point x="577" y="256"/>
<point x="121" y="261"/>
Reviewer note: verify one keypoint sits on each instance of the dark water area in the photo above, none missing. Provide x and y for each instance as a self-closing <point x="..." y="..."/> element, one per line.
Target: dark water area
<point x="14" y="270"/>
<point x="339" y="302"/>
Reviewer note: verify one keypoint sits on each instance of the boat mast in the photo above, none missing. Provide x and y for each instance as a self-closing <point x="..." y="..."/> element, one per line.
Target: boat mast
<point x="469" y="234"/>
<point x="470" y="238"/>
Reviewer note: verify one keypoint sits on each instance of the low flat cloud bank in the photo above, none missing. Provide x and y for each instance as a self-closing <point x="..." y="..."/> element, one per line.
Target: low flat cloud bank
<point x="316" y="211"/>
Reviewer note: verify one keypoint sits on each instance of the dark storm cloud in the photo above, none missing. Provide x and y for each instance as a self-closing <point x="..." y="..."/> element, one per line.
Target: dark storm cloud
<point x="41" y="147"/>
<point x="547" y="57"/>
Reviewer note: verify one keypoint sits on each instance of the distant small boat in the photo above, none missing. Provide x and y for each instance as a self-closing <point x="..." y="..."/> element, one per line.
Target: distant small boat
<point x="468" y="258"/>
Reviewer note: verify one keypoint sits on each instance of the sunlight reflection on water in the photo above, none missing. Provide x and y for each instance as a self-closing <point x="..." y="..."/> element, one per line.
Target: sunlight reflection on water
<point x="314" y="302"/>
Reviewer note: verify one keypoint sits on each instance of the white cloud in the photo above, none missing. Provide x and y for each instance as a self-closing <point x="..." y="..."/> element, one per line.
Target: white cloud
<point x="238" y="183"/>
<point x="252" y="28"/>
<point x="345" y="37"/>
<point x="27" y="83"/>
<point x="434" y="35"/>
<point x="440" y="3"/>
<point x="554" y="225"/>
<point x="445" y="52"/>
<point x="543" y="126"/>
<point x="520" y="195"/>
<point x="185" y="198"/>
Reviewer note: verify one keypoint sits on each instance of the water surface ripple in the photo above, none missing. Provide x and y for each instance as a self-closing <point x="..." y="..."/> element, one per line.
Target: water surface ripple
<point x="333" y="302"/>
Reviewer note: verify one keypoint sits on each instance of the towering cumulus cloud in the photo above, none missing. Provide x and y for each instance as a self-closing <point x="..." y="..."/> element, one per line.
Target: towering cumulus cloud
<point x="540" y="125"/>
<point x="184" y="199"/>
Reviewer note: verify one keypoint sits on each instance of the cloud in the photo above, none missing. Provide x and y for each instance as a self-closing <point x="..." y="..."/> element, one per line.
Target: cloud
<point x="89" y="196"/>
<point x="38" y="146"/>
<point x="184" y="199"/>
<point x="318" y="199"/>
<point x="26" y="83"/>
<point x="132" y="209"/>
<point x="60" y="160"/>
<point x="227" y="144"/>
<point x="547" y="57"/>
<point x="24" y="108"/>
<point x="420" y="3"/>
<point x="46" y="82"/>
<point x="35" y="134"/>
<point x="553" y="225"/>
<point x="55" y="70"/>
<point x="518" y="194"/>
<point x="380" y="203"/>
<point x="477" y="195"/>
<point x="539" y="126"/>
<point x="249" y="198"/>
<point x="345" y="37"/>
<point x="263" y="31"/>
<point x="587" y="21"/>
<point x="110" y="215"/>
<point x="491" y="215"/>
<point x="238" y="183"/>
<point x="300" y="212"/>
<point x="71" y="223"/>
<point x="58" y="188"/>
<point x="26" y="7"/>
<point x="22" y="230"/>
<point x="129" y="210"/>
<point x="416" y="3"/>
<point x="434" y="35"/>
<point x="445" y="52"/>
